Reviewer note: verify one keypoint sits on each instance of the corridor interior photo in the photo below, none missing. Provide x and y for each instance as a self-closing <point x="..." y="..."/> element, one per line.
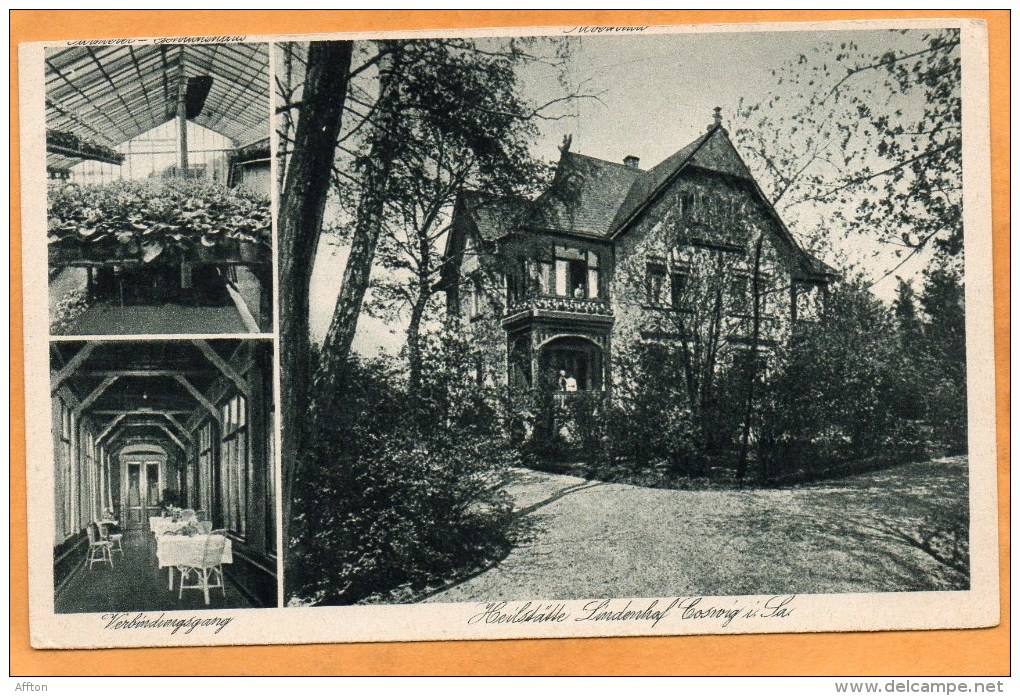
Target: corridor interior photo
<point x="164" y="474"/>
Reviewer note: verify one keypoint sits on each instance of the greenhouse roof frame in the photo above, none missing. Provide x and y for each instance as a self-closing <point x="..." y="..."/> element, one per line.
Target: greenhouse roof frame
<point x="111" y="94"/>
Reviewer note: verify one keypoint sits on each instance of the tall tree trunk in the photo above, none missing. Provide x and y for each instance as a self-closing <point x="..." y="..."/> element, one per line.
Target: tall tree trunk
<point x="752" y="368"/>
<point x="414" y="341"/>
<point x="300" y="222"/>
<point x="421" y="303"/>
<point x="336" y="347"/>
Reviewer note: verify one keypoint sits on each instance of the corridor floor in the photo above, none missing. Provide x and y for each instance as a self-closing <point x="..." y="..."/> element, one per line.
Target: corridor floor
<point x="136" y="584"/>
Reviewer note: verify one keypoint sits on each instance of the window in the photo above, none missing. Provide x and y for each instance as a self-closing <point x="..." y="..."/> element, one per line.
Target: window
<point x="767" y="292"/>
<point x="234" y="465"/>
<point x="679" y="281"/>
<point x="65" y="469"/>
<point x="90" y="477"/>
<point x="271" y="470"/>
<point x="203" y="494"/>
<point x="655" y="283"/>
<point x="576" y="272"/>
<point x="593" y="275"/>
<point x="472" y="301"/>
<point x="513" y="286"/>
<point x="688" y="207"/>
<point x="73" y="462"/>
<point x="807" y="302"/>
<point x="740" y="292"/>
<point x="545" y="274"/>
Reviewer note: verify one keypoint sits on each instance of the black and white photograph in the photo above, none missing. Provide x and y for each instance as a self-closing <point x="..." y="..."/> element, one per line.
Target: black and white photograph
<point x="164" y="475"/>
<point x="623" y="316"/>
<point x="157" y="159"/>
<point x="487" y="334"/>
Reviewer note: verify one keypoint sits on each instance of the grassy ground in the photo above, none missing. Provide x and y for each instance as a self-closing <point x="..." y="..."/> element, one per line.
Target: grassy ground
<point x="902" y="529"/>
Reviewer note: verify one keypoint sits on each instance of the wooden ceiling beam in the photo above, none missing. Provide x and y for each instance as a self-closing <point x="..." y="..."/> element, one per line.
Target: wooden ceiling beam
<point x="129" y="411"/>
<point x="110" y="426"/>
<point x="223" y="366"/>
<point x="141" y="373"/>
<point x="199" y="397"/>
<point x="95" y="394"/>
<point x="64" y="373"/>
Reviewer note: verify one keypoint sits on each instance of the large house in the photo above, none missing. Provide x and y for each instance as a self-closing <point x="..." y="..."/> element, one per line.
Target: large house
<point x="555" y="292"/>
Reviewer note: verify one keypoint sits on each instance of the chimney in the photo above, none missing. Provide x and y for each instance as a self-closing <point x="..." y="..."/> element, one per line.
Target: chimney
<point x="632" y="161"/>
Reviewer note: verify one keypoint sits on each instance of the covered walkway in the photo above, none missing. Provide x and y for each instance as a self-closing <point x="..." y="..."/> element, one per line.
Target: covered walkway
<point x="136" y="584"/>
<point x="145" y="429"/>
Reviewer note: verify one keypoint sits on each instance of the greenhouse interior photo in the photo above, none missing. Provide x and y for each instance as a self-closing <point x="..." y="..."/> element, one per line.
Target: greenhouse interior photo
<point x="158" y="164"/>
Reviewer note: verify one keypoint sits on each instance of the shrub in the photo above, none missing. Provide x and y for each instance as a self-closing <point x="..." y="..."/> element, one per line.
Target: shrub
<point x="402" y="493"/>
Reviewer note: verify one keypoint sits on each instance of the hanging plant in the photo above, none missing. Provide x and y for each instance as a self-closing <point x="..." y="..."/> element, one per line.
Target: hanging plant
<point x="144" y="220"/>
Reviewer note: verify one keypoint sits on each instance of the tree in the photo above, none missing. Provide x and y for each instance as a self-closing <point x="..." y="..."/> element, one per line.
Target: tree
<point x="302" y="203"/>
<point x="867" y="141"/>
<point x="388" y="132"/>
<point x="442" y="91"/>
<point x="832" y="402"/>
<point x="467" y="125"/>
<point x="945" y="342"/>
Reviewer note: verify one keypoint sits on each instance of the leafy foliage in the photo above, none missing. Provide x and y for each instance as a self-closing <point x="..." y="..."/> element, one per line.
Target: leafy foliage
<point x="82" y="146"/>
<point x="463" y="123"/>
<point x="403" y="495"/>
<point x="142" y="219"/>
<point x="868" y="142"/>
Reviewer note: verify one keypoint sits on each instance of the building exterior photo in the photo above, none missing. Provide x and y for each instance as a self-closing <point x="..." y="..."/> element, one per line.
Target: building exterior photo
<point x="556" y="292"/>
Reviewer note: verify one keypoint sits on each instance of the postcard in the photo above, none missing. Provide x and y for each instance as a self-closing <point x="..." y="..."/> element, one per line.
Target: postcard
<point x="509" y="333"/>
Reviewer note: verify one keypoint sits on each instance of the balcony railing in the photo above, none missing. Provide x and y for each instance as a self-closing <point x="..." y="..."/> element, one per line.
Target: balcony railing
<point x="571" y="305"/>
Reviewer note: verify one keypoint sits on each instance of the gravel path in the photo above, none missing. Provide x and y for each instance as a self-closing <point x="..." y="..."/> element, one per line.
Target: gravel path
<point x="592" y="539"/>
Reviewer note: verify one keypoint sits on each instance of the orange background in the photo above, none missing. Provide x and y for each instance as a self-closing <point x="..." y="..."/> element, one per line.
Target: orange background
<point x="963" y="652"/>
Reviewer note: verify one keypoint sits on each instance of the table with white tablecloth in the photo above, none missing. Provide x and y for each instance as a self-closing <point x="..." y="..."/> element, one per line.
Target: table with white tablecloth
<point x="164" y="525"/>
<point x="174" y="550"/>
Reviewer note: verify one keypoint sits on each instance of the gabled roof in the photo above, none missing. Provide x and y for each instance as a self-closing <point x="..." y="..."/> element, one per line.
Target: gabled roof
<point x="585" y="195"/>
<point x="708" y="152"/>
<point x="111" y="94"/>
<point x="594" y="198"/>
<point x="494" y="216"/>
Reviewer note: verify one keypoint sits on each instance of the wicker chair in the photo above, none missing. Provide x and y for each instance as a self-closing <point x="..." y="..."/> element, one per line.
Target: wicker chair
<point x="99" y="549"/>
<point x="208" y="570"/>
<point x="114" y="540"/>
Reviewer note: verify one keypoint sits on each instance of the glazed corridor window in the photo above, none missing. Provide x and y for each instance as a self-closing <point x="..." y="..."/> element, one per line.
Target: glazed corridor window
<point x="576" y="272"/>
<point x="205" y="468"/>
<point x="234" y="464"/>
<point x="66" y="427"/>
<point x="655" y="284"/>
<point x="90" y="478"/>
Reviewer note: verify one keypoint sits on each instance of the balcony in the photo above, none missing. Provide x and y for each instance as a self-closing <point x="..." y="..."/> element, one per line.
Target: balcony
<point x="577" y="309"/>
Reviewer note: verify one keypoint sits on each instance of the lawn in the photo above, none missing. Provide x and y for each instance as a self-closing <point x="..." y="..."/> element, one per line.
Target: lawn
<point x="901" y="529"/>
